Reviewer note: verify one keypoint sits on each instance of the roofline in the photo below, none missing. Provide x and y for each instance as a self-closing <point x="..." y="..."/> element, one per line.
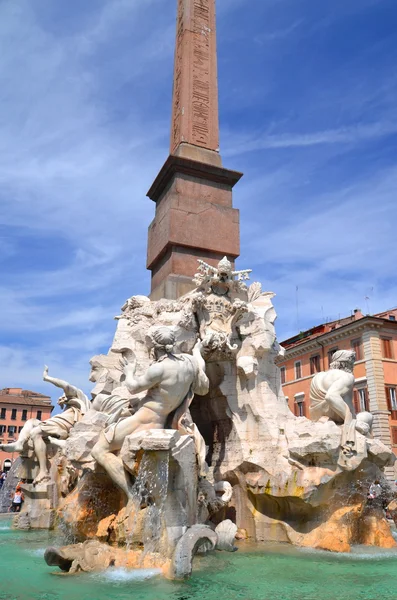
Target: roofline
<point x="335" y="334"/>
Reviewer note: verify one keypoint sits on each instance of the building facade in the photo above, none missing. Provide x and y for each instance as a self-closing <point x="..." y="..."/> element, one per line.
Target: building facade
<point x="16" y="407"/>
<point x="374" y="340"/>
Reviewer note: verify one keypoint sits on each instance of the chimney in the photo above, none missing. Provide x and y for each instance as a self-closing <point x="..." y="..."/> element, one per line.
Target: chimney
<point x="358" y="314"/>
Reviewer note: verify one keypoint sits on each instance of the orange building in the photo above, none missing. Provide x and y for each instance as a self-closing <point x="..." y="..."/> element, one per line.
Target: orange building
<point x="16" y="407"/>
<point x="374" y="340"/>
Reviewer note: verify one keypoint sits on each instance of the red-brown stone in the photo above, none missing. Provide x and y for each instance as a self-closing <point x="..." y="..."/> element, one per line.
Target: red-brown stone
<point x="195" y="218"/>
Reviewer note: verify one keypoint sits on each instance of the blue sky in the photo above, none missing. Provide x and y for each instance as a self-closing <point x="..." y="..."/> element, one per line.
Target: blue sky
<point x="308" y="112"/>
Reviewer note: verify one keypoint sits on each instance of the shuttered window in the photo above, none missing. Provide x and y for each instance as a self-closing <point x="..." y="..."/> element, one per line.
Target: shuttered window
<point x="282" y="373"/>
<point x="315" y="364"/>
<point x="391" y="398"/>
<point x="387" y="350"/>
<point x="394" y="436"/>
<point x="330" y="355"/>
<point x="298" y="370"/>
<point x="361" y="400"/>
<point x="356" y="347"/>
<point x="299" y="409"/>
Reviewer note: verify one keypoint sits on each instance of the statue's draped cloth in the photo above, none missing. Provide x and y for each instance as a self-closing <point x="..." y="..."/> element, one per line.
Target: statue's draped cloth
<point x="61" y="423"/>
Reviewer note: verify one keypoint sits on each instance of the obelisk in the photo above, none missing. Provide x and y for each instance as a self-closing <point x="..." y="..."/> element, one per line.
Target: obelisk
<point x="194" y="218"/>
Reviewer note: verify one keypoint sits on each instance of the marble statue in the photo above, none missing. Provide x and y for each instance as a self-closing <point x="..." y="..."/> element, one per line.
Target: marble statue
<point x="170" y="384"/>
<point x="184" y="382"/>
<point x="37" y="434"/>
<point x="218" y="304"/>
<point x="110" y="395"/>
<point x="331" y="392"/>
<point x="331" y="395"/>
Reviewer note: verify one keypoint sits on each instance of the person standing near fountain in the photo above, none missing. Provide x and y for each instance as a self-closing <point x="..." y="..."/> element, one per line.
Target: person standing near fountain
<point x="171" y="382"/>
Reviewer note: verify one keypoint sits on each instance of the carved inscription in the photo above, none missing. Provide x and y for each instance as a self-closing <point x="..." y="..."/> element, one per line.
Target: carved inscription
<point x="176" y="110"/>
<point x="201" y="73"/>
<point x="192" y="116"/>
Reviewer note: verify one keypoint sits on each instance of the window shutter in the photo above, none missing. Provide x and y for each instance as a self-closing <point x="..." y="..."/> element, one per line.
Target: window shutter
<point x="387" y="392"/>
<point x="356" y="401"/>
<point x="296" y="409"/>
<point x="394" y="435"/>
<point x="366" y="399"/>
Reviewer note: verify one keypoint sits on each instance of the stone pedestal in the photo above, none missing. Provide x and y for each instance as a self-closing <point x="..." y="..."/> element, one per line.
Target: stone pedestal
<point x="194" y="220"/>
<point x="39" y="508"/>
<point x="169" y="473"/>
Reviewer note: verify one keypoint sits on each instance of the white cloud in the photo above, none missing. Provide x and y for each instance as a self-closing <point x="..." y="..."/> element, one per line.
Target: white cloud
<point x="344" y="135"/>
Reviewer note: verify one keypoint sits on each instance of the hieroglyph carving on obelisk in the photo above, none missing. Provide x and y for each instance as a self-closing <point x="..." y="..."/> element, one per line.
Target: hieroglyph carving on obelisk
<point x="195" y="94"/>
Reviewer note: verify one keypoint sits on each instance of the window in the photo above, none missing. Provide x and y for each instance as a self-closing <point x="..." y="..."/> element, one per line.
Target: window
<point x="24" y="415"/>
<point x="394" y="436"/>
<point x="3" y="429"/>
<point x="3" y="413"/>
<point x="282" y="373"/>
<point x="315" y="364"/>
<point x="20" y="429"/>
<point x="299" y="405"/>
<point x="391" y="398"/>
<point x="330" y="355"/>
<point x="392" y="318"/>
<point x="12" y="429"/>
<point x="356" y="347"/>
<point x="38" y="416"/>
<point x="13" y="414"/>
<point x="298" y="370"/>
<point x="360" y="400"/>
<point x="387" y="351"/>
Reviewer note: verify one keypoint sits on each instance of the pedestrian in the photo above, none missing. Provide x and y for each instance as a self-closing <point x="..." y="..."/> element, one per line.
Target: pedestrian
<point x="3" y="477"/>
<point x="17" y="500"/>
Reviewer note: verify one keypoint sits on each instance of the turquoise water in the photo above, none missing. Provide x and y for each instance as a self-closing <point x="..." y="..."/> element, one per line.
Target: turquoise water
<point x="275" y="573"/>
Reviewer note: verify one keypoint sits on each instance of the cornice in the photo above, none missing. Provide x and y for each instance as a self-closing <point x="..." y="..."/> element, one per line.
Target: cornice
<point x="333" y="336"/>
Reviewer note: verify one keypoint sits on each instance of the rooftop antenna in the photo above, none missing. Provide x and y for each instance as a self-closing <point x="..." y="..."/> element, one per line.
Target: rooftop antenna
<point x="367" y="300"/>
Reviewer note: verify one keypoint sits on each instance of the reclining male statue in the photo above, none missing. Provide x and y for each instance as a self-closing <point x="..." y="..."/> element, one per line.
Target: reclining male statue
<point x="331" y="395"/>
<point x="171" y="382"/>
<point x="36" y="434"/>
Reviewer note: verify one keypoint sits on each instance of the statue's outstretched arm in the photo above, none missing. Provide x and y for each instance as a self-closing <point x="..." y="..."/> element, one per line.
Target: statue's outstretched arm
<point x="70" y="390"/>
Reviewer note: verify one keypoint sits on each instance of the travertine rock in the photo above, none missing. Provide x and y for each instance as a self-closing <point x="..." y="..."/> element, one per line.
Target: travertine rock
<point x="379" y="453"/>
<point x="187" y="547"/>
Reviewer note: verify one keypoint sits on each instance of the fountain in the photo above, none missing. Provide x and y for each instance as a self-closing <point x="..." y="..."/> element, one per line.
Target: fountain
<point x="188" y="442"/>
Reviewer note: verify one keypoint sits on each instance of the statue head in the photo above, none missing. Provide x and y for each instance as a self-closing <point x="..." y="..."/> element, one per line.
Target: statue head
<point x="161" y="339"/>
<point x="105" y="365"/>
<point x="62" y="401"/>
<point x="343" y="360"/>
<point x="106" y="373"/>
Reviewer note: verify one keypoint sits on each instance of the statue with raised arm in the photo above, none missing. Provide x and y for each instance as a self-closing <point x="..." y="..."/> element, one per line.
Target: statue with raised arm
<point x="331" y="395"/>
<point x="36" y="434"/>
<point x="170" y="384"/>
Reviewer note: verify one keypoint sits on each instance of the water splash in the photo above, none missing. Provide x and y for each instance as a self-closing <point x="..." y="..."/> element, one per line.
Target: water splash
<point x="126" y="575"/>
<point x="150" y="491"/>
